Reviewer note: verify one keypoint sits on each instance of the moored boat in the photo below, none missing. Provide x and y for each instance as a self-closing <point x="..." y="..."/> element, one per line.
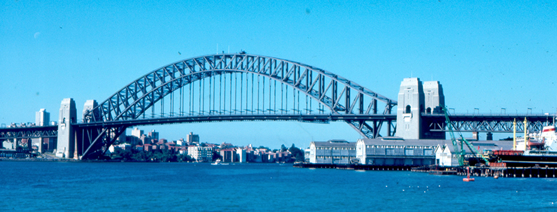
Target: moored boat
<point x="536" y="150"/>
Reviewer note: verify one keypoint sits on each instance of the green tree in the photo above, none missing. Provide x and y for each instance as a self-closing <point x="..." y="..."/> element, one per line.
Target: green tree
<point x="297" y="153"/>
<point x="120" y="154"/>
<point x="216" y="156"/>
<point x="183" y="158"/>
<point x="168" y="156"/>
<point x="139" y="156"/>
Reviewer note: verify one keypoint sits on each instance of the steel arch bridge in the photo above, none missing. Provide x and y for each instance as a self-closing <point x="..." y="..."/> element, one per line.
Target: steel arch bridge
<point x="234" y="87"/>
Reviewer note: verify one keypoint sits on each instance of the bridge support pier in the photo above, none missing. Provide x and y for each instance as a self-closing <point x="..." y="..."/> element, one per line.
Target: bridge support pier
<point x="66" y="135"/>
<point x="415" y="98"/>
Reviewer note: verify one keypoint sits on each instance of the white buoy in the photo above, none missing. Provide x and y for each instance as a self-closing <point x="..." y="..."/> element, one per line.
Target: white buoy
<point x="386" y="186"/>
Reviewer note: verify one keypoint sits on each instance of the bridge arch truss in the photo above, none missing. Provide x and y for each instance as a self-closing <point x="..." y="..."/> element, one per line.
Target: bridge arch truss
<point x="242" y="84"/>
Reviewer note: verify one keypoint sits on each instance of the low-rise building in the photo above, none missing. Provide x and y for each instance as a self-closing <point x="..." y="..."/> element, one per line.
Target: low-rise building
<point x="180" y="142"/>
<point x="445" y="153"/>
<point x="445" y="157"/>
<point x="147" y="147"/>
<point x="228" y="155"/>
<point x="182" y="150"/>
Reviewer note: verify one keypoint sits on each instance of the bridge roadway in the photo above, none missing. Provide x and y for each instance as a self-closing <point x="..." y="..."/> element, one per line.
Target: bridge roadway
<point x="501" y="123"/>
<point x="29" y="132"/>
<point x="317" y="118"/>
<point x="435" y="122"/>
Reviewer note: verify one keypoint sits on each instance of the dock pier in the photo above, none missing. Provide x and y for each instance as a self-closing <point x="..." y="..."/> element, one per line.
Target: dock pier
<point x="354" y="167"/>
<point x="511" y="172"/>
<point x="508" y="172"/>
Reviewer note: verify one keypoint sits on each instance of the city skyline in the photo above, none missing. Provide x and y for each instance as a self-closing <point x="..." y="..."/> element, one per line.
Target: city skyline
<point x="55" y="50"/>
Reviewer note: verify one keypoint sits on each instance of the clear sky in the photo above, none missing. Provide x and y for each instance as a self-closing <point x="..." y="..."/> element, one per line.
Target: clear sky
<point x="486" y="54"/>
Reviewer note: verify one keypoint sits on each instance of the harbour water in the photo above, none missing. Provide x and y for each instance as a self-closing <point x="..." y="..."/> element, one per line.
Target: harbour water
<point x="84" y="186"/>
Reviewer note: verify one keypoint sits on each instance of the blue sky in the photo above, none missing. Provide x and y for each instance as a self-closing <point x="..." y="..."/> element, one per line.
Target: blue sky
<point x="486" y="54"/>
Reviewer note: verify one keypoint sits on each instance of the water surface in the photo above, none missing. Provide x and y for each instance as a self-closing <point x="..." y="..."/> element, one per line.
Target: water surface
<point x="82" y="186"/>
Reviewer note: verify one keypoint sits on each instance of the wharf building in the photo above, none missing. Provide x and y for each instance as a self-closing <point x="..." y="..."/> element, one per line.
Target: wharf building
<point x="380" y="152"/>
<point x="332" y="152"/>
<point x="393" y="152"/>
<point x="376" y="152"/>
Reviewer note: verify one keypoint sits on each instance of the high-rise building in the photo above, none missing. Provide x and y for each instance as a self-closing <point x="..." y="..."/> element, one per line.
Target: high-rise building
<point x="241" y="155"/>
<point x="192" y="138"/>
<point x="42" y="118"/>
<point x="137" y="132"/>
<point x="154" y="135"/>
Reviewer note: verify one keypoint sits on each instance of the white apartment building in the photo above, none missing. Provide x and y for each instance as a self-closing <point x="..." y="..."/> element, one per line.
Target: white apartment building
<point x="201" y="154"/>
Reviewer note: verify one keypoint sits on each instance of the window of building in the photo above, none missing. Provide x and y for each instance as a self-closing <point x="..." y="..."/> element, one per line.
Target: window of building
<point x="390" y="151"/>
<point x="408" y="109"/>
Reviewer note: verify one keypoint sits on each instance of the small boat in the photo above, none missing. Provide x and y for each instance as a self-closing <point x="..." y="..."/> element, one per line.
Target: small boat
<point x="218" y="162"/>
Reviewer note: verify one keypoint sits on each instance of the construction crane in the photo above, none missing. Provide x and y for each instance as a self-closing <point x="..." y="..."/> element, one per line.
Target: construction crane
<point x="460" y="151"/>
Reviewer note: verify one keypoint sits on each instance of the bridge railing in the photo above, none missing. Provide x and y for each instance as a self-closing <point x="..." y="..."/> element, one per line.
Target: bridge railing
<point x="26" y="124"/>
<point x="495" y="115"/>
